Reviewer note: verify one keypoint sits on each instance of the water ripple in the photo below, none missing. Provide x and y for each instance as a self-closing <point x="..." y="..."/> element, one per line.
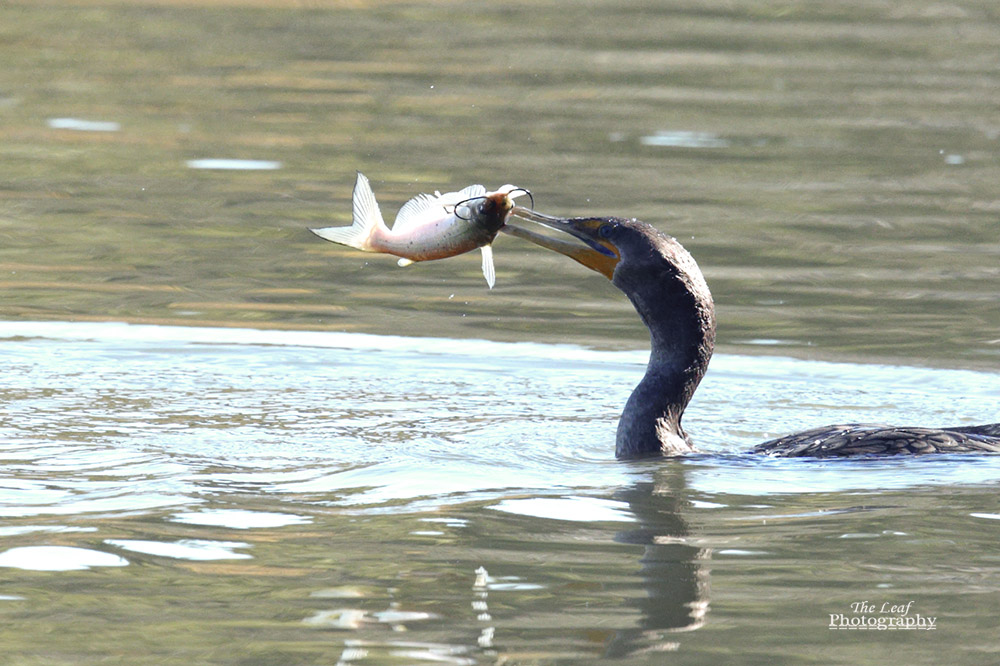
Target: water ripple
<point x="58" y="558"/>
<point x="117" y="418"/>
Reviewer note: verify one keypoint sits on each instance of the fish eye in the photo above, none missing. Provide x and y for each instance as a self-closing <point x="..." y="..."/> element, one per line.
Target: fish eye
<point x="605" y="230"/>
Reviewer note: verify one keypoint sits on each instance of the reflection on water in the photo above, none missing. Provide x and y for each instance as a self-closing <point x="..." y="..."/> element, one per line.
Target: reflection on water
<point x="240" y="519"/>
<point x="581" y="509"/>
<point x="58" y="558"/>
<point x="84" y="125"/>
<point x="233" y="165"/>
<point x="684" y="140"/>
<point x="831" y="167"/>
<point x="186" y="549"/>
<point x="331" y="491"/>
<point x="274" y="485"/>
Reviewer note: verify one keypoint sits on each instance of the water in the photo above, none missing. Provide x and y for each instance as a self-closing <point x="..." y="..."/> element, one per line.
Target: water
<point x="247" y="496"/>
<point x="226" y="442"/>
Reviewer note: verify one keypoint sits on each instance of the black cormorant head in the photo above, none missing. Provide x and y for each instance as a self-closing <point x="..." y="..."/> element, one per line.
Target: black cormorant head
<point x="658" y="275"/>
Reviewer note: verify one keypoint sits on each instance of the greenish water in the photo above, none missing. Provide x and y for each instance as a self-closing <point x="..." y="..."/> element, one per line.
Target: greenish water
<point x="832" y="167"/>
<point x="247" y="475"/>
<point x="237" y="496"/>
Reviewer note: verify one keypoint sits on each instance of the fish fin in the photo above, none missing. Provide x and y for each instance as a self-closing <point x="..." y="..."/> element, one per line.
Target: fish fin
<point x="470" y="192"/>
<point x="488" y="271"/>
<point x="452" y="198"/>
<point x="425" y="207"/>
<point x="367" y="220"/>
<point x="404" y="262"/>
<point x="513" y="190"/>
<point x="414" y="211"/>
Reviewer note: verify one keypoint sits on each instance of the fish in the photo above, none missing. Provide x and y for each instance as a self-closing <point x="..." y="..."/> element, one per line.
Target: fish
<point x="429" y="226"/>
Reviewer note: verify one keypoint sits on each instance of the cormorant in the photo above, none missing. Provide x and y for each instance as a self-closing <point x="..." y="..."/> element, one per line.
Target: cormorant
<point x="669" y="292"/>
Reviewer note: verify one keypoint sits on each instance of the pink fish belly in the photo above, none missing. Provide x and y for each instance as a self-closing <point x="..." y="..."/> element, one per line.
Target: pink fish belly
<point x="415" y="252"/>
<point x="425" y="248"/>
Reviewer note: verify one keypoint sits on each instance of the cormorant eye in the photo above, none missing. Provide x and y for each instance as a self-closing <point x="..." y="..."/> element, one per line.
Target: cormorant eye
<point x="605" y="230"/>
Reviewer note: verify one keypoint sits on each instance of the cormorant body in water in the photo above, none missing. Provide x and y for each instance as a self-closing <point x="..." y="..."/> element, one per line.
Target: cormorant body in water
<point x="670" y="294"/>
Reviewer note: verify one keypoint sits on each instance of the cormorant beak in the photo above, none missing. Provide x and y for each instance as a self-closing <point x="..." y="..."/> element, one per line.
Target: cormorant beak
<point x="596" y="253"/>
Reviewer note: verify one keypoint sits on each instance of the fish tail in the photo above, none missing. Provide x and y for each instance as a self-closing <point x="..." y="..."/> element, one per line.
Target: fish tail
<point x="368" y="225"/>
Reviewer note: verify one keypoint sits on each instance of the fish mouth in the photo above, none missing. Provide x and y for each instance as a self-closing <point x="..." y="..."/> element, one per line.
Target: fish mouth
<point x="595" y="252"/>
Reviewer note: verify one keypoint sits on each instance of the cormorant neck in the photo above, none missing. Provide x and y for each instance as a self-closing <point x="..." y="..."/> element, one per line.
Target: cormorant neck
<point x="676" y="306"/>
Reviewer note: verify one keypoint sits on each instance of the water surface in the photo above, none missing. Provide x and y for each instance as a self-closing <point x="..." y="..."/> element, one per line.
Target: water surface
<point x="227" y="442"/>
<point x="238" y="495"/>
<point x="832" y="168"/>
